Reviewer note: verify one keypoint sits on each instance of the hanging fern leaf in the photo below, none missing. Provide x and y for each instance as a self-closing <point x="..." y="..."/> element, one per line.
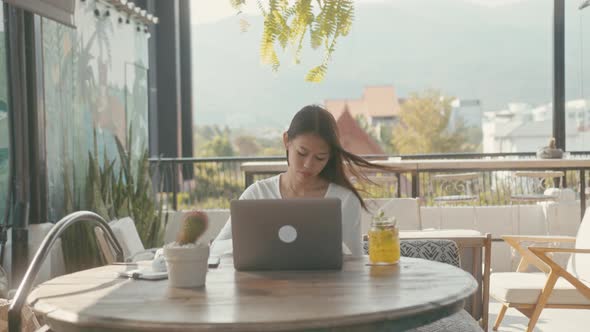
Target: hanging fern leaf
<point x="317" y="73"/>
<point x="287" y="22"/>
<point x="237" y="4"/>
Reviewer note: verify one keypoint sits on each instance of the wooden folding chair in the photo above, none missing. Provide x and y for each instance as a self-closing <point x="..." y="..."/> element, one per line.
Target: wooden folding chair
<point x="555" y="286"/>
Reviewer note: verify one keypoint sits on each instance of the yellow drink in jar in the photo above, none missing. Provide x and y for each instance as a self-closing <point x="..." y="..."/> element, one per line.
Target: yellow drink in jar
<point x="384" y="244"/>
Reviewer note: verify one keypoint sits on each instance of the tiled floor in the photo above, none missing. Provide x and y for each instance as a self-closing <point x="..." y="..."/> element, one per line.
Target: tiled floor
<point x="551" y="320"/>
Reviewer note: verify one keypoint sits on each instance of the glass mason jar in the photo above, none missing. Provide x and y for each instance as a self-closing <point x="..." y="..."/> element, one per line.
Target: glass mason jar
<point x="384" y="242"/>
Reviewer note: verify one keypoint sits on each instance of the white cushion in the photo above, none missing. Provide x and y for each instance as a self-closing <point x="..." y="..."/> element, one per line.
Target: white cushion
<point x="457" y="217"/>
<point x="496" y="220"/>
<point x="519" y="287"/>
<point x="405" y="210"/>
<point x="438" y="233"/>
<point x="579" y="264"/>
<point x="126" y="233"/>
<point x="562" y="194"/>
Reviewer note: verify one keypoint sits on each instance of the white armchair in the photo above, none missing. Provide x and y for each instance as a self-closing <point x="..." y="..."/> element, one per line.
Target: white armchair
<point x="555" y="286"/>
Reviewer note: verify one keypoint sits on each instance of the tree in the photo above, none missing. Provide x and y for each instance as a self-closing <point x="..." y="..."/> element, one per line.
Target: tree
<point x="219" y="146"/>
<point x="361" y="120"/>
<point x="286" y="23"/>
<point x="423" y="126"/>
<point x="247" y="145"/>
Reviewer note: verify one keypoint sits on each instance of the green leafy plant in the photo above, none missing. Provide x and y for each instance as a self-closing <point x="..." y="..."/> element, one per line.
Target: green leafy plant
<point x="286" y="23"/>
<point x="194" y="225"/>
<point x="114" y="189"/>
<point x="123" y="187"/>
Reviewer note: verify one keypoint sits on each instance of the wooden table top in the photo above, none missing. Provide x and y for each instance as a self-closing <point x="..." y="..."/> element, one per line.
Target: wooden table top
<point x="444" y="164"/>
<point x="254" y="301"/>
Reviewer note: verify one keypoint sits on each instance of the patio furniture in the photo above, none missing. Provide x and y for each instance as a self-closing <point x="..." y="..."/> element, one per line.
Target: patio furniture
<point x="357" y="298"/>
<point x="386" y="184"/>
<point x="534" y="190"/>
<point x="444" y="251"/>
<point x="469" y="251"/>
<point x="126" y="233"/>
<point x="20" y="298"/>
<point x="535" y="185"/>
<point x="28" y="319"/>
<point x="555" y="286"/>
<point x="456" y="189"/>
<point x="416" y="167"/>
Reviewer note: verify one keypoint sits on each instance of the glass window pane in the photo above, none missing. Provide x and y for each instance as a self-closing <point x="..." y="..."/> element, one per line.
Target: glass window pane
<point x="577" y="44"/>
<point x="490" y="61"/>
<point x="4" y="138"/>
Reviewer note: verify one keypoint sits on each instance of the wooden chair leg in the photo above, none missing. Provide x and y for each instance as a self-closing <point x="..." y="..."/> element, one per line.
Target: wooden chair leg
<point x="500" y="317"/>
<point x="547" y="289"/>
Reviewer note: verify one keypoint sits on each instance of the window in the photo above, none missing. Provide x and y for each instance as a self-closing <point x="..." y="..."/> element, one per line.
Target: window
<point x="481" y="55"/>
<point x="4" y="130"/>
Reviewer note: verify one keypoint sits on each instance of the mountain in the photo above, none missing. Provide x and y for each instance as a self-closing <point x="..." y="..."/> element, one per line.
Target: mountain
<point x="497" y="54"/>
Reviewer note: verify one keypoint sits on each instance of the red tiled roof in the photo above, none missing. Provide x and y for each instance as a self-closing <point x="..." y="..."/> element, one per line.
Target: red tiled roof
<point x="353" y="138"/>
<point x="337" y="106"/>
<point x="377" y="101"/>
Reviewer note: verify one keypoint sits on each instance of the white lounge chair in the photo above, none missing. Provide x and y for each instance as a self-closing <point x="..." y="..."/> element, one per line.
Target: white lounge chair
<point x="555" y="286"/>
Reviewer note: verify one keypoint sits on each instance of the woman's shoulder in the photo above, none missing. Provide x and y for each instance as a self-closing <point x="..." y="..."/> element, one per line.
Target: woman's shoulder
<point x="268" y="182"/>
<point x="265" y="188"/>
<point x="341" y="192"/>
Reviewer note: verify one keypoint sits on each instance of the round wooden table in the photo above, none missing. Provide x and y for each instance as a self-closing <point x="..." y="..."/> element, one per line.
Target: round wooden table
<point x="360" y="297"/>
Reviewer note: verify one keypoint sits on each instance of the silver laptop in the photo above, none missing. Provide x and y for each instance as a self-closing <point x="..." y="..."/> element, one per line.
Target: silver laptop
<point x="287" y="234"/>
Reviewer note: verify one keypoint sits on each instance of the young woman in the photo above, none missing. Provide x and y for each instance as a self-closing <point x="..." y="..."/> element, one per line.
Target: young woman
<point x="318" y="166"/>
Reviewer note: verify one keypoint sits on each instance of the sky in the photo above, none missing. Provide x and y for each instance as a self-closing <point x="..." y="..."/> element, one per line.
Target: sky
<point x="209" y="11"/>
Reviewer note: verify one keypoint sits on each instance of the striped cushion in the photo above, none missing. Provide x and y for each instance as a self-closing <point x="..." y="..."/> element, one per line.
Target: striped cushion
<point x="439" y="250"/>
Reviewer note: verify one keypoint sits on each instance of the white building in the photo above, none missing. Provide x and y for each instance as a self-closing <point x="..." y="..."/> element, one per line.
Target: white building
<point x="467" y="111"/>
<point x="523" y="128"/>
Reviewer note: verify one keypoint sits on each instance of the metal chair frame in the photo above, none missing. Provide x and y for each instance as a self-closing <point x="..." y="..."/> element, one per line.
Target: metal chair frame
<point x="14" y="312"/>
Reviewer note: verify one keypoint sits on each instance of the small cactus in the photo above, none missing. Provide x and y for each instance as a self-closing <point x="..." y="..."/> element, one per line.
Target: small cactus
<point x="193" y="226"/>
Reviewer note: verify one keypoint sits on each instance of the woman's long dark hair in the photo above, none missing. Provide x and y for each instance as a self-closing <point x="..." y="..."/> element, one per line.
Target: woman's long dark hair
<point x="342" y="164"/>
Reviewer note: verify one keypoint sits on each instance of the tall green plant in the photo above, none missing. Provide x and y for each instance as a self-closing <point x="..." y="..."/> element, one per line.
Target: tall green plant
<point x="79" y="244"/>
<point x="123" y="188"/>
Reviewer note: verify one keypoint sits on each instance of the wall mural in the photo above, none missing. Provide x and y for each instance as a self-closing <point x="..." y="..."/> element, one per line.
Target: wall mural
<point x="95" y="82"/>
<point x="136" y="105"/>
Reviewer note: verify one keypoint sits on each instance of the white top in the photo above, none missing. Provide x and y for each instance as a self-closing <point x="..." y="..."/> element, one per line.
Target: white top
<point x="270" y="189"/>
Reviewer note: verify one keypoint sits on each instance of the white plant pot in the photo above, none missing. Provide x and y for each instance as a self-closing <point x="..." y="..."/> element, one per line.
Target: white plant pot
<point x="187" y="266"/>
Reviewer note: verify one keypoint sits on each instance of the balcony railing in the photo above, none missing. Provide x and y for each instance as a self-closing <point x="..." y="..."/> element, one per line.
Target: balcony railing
<point x="214" y="182"/>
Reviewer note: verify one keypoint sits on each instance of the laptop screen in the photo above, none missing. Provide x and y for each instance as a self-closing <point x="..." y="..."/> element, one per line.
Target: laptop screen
<point x="287" y="234"/>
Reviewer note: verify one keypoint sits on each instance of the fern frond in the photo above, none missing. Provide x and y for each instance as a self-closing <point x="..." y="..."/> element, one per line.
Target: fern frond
<point x="281" y="29"/>
<point x="317" y="73"/>
<point x="287" y="22"/>
<point x="237" y="4"/>
<point x="261" y="8"/>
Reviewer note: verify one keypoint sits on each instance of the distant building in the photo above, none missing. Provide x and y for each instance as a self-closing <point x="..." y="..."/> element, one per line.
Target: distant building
<point x="523" y="128"/>
<point x="467" y="111"/>
<point x="379" y="105"/>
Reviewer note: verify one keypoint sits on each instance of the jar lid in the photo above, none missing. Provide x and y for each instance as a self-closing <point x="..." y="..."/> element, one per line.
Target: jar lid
<point x="380" y="220"/>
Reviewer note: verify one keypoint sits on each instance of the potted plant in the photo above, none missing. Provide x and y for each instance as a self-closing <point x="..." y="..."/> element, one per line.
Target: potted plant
<point x="186" y="258"/>
<point x="550" y="151"/>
